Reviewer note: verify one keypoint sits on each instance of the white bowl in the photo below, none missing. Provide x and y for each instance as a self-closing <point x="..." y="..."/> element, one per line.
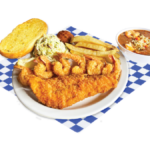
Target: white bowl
<point x="131" y="55"/>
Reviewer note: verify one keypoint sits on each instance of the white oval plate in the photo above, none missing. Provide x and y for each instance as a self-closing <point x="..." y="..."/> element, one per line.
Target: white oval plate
<point x="86" y="107"/>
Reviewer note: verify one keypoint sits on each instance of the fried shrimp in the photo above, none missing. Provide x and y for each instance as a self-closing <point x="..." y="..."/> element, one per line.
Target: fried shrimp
<point x="79" y="60"/>
<point x="43" y="68"/>
<point x="112" y="70"/>
<point x="116" y="70"/>
<point x="94" y="65"/>
<point x="46" y="62"/>
<point x="107" y="69"/>
<point x="61" y="67"/>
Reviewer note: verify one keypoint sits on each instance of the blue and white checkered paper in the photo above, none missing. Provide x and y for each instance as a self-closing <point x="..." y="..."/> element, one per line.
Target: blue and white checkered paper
<point x="138" y="75"/>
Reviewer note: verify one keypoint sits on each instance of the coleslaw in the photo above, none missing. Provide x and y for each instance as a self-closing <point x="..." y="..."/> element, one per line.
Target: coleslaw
<point x="49" y="45"/>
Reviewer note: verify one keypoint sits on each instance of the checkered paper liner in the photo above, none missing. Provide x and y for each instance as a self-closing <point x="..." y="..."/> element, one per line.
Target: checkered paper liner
<point x="138" y="75"/>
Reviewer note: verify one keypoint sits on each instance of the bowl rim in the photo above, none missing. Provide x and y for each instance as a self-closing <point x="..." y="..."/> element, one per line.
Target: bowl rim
<point x="126" y="29"/>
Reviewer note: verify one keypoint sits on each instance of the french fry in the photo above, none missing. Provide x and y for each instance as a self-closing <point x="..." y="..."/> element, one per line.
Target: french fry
<point x="76" y="53"/>
<point x="117" y="55"/>
<point x="90" y="52"/>
<point x="91" y="46"/>
<point x="113" y="47"/>
<point x="89" y="39"/>
<point x="80" y="54"/>
<point x="104" y="58"/>
<point x="119" y="61"/>
<point x="97" y="59"/>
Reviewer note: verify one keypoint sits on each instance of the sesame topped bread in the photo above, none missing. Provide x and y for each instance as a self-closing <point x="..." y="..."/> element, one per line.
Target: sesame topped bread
<point x="22" y="39"/>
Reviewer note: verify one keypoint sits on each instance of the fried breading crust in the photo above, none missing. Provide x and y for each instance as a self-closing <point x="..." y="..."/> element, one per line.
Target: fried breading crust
<point x="67" y="90"/>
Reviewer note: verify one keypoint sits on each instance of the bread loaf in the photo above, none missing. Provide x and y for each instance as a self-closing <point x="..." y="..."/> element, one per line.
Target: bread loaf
<point x="22" y="39"/>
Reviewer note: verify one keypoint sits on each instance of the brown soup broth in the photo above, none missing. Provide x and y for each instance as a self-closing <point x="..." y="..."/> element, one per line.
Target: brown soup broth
<point x="122" y="39"/>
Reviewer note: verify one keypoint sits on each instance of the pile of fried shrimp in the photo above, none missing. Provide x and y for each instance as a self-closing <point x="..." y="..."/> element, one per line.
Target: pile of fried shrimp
<point x="83" y="65"/>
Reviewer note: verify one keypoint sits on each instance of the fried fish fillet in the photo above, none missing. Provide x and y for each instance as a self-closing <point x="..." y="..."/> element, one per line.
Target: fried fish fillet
<point x="60" y="92"/>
